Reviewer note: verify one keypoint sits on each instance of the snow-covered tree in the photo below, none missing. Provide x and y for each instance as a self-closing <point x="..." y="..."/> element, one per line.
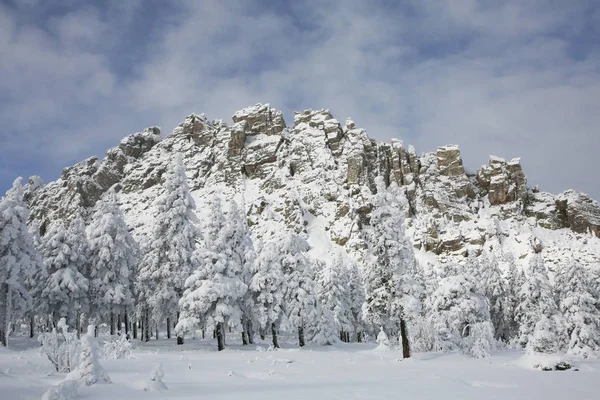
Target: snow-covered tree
<point x="89" y="370"/>
<point x="389" y="284"/>
<point x="267" y="288"/>
<point x="333" y="289"/>
<point x="19" y="259"/>
<point x="242" y="252"/>
<point x="36" y="283"/>
<point x="578" y="307"/>
<point x="460" y="314"/>
<point x="215" y="290"/>
<point x="113" y="253"/>
<point x="536" y="300"/>
<point x="356" y="292"/>
<point x="300" y="297"/>
<point x="491" y="284"/>
<point x="65" y="256"/>
<point x="169" y="254"/>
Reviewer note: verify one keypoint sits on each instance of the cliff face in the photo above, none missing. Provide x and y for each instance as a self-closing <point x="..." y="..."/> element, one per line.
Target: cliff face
<point x="317" y="178"/>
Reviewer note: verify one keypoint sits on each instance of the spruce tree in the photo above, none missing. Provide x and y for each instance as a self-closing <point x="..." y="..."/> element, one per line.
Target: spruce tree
<point x="578" y="307"/>
<point x="113" y="253"/>
<point x="66" y="290"/>
<point x="169" y="253"/>
<point x="215" y="290"/>
<point x="267" y="288"/>
<point x="19" y="259"/>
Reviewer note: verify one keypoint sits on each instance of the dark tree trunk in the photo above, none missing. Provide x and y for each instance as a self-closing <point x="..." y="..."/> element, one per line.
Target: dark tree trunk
<point x="31" y="326"/>
<point x="168" y="328"/>
<point x="214" y="333"/>
<point x="156" y="330"/>
<point x="147" y="327"/>
<point x="359" y="337"/>
<point x="135" y="329"/>
<point x="126" y="322"/>
<point x="405" y="344"/>
<point x="119" y="327"/>
<point x="301" y="336"/>
<point x="112" y="323"/>
<point x="220" y="338"/>
<point x="203" y="333"/>
<point x="274" y="333"/>
<point x="250" y="332"/>
<point x="78" y="324"/>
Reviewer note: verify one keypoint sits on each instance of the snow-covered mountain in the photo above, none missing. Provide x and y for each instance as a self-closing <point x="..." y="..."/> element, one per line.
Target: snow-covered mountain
<point x="317" y="177"/>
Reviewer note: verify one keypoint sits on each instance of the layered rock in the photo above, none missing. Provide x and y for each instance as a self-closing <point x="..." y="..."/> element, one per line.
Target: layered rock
<point x="317" y="179"/>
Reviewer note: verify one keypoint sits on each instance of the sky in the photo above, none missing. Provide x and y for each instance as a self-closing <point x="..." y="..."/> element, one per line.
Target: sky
<point x="515" y="78"/>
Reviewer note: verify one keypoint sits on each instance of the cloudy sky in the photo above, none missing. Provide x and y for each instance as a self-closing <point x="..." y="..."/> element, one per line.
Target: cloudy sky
<point x="511" y="78"/>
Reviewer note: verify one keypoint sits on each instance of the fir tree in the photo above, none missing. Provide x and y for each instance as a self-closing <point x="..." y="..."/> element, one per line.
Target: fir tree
<point x="113" y="261"/>
<point x="536" y="301"/>
<point x="578" y="307"/>
<point x="267" y="288"/>
<point x="215" y="290"/>
<point x="66" y="290"/>
<point x="19" y="259"/>
<point x="391" y="296"/>
<point x="300" y="298"/>
<point x="169" y="254"/>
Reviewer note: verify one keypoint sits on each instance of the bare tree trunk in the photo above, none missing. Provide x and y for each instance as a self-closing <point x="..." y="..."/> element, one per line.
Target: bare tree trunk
<point x="5" y="292"/>
<point x="274" y="333"/>
<point x="126" y="322"/>
<point x="156" y="330"/>
<point x="168" y="327"/>
<point x="78" y="324"/>
<point x="301" y="336"/>
<point x="119" y="324"/>
<point x="359" y="337"/>
<point x="147" y="326"/>
<point x="244" y="332"/>
<point x="405" y="344"/>
<point x="135" y="329"/>
<point x="220" y="339"/>
<point x="203" y="333"/>
<point x="250" y="332"/>
<point x="112" y="323"/>
<point x="31" y="326"/>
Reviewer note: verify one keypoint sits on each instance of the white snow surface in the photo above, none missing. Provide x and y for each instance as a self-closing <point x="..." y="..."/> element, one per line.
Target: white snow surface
<point x="342" y="371"/>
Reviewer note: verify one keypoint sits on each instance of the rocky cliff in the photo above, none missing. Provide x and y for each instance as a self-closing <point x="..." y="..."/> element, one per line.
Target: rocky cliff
<point x="317" y="178"/>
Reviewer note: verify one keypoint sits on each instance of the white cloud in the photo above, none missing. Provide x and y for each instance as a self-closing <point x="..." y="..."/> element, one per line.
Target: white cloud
<point x="494" y="78"/>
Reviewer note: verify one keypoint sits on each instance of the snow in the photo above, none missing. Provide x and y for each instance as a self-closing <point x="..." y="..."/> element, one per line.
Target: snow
<point x="342" y="371"/>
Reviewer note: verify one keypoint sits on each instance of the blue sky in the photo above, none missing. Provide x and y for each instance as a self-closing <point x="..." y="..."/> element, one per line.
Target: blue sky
<point x="508" y="78"/>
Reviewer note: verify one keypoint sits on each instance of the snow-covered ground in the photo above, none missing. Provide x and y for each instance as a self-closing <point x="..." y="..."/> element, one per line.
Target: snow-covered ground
<point x="344" y="371"/>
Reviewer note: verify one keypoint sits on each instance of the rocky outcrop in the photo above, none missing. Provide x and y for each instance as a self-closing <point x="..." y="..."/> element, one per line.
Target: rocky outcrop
<point x="502" y="181"/>
<point x="317" y="179"/>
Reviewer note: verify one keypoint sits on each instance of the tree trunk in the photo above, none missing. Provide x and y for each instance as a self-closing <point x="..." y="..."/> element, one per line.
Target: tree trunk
<point x="5" y="318"/>
<point x="274" y="333"/>
<point x="156" y="330"/>
<point x="147" y="327"/>
<point x="119" y="324"/>
<point x="31" y="326"/>
<point x="405" y="344"/>
<point x="250" y="332"/>
<point x="219" y="332"/>
<point x="168" y="327"/>
<point x="112" y="323"/>
<point x="203" y="333"/>
<point x="301" y="336"/>
<point x="126" y="323"/>
<point x="359" y="337"/>
<point x="244" y="338"/>
<point x="135" y="329"/>
<point x="78" y="324"/>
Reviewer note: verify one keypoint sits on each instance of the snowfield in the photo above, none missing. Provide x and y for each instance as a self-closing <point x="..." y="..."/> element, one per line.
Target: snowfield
<point x="344" y="371"/>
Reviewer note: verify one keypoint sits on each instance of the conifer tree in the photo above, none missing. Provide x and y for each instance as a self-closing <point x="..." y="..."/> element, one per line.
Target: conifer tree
<point x="66" y="290"/>
<point x="215" y="290"/>
<point x="19" y="259"/>
<point x="578" y="307"/>
<point x="113" y="253"/>
<point x="267" y="288"/>
<point x="169" y="254"/>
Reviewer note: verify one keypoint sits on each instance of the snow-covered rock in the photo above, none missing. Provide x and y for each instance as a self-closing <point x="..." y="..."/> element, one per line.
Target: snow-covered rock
<point x="317" y="179"/>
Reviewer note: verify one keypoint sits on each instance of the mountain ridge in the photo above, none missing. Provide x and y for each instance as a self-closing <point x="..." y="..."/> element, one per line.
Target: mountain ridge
<point x="317" y="178"/>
